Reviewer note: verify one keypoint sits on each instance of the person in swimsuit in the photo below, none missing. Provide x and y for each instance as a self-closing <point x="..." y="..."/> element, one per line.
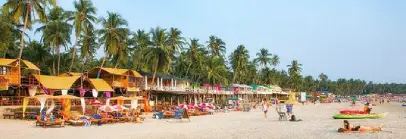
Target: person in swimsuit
<point x="349" y="128"/>
<point x="265" y="106"/>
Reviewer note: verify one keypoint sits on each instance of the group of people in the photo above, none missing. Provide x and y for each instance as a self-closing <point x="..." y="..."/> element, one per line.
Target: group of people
<point x="289" y="109"/>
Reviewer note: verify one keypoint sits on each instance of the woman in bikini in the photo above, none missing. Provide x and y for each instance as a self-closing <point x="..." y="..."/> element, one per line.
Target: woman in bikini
<point x="349" y="128"/>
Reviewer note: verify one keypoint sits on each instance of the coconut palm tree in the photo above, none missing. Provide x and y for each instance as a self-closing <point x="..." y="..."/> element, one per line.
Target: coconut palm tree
<point x="113" y="33"/>
<point x="294" y="74"/>
<point x="159" y="54"/>
<point x="140" y="41"/>
<point x="275" y="60"/>
<point x="25" y="10"/>
<point x="175" y="39"/>
<point x="215" y="70"/>
<point x="56" y="32"/>
<point x="239" y="61"/>
<point x="263" y="57"/>
<point x="88" y="45"/>
<point x="216" y="46"/>
<point x="193" y="53"/>
<point x="83" y="17"/>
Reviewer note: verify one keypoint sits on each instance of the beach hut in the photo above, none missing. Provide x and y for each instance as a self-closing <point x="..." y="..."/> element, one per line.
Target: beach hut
<point x="122" y="80"/>
<point x="12" y="74"/>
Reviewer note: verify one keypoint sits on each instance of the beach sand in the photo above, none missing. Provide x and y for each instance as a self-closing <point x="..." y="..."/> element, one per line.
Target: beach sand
<point x="317" y="124"/>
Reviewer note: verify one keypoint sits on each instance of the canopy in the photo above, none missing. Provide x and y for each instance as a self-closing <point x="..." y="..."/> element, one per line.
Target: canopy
<point x="56" y="82"/>
<point x="354" y="99"/>
<point x="101" y="85"/>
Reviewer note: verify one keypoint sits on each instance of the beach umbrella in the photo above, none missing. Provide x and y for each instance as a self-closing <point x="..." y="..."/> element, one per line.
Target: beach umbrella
<point x="354" y="99"/>
<point x="107" y="108"/>
<point x="119" y="107"/>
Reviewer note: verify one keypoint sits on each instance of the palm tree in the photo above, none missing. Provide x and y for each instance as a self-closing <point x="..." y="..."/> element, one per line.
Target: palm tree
<point x="83" y="17"/>
<point x="113" y="33"/>
<point x="217" y="46"/>
<point x="275" y="60"/>
<point x="24" y="10"/>
<point x="263" y="57"/>
<point x="193" y="53"/>
<point x="56" y="32"/>
<point x="216" y="71"/>
<point x="140" y="41"/>
<point x="294" y="74"/>
<point x="323" y="81"/>
<point x="159" y="54"/>
<point x="88" y="44"/>
<point x="239" y="61"/>
<point x="175" y="39"/>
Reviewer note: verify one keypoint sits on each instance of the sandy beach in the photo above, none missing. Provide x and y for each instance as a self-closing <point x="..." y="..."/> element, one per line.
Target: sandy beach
<point x="317" y="123"/>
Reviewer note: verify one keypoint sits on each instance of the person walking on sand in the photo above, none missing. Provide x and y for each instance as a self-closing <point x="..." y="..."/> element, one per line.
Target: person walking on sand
<point x="265" y="106"/>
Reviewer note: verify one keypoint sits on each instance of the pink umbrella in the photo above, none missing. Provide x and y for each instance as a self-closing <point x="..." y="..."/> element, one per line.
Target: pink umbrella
<point x="107" y="108"/>
<point x="120" y="107"/>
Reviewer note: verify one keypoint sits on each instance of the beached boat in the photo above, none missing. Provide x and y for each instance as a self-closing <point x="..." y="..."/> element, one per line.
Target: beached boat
<point x="351" y="112"/>
<point x="404" y="105"/>
<point x="360" y="116"/>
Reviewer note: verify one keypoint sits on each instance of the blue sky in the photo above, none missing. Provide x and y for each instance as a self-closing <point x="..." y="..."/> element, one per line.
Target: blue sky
<point x="342" y="38"/>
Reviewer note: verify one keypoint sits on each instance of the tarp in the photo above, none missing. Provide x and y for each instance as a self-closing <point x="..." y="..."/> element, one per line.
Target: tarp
<point x="100" y="85"/>
<point x="55" y="82"/>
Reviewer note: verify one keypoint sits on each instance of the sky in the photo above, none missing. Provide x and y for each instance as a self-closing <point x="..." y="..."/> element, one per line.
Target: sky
<point x="362" y="39"/>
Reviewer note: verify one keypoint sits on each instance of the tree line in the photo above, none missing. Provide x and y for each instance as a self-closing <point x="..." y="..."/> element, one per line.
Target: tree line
<point x="163" y="50"/>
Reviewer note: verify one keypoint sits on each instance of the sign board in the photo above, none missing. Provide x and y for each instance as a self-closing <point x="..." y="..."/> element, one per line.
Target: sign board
<point x="3" y="83"/>
<point x="303" y="96"/>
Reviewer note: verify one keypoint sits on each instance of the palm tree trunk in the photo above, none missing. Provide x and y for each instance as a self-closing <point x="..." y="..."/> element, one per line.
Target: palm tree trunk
<point x="59" y="59"/>
<point x="101" y="66"/>
<point x="116" y="65"/>
<point x="153" y="75"/>
<point x="235" y="75"/>
<point x="53" y="63"/>
<point x="22" y="34"/>
<point x="187" y="70"/>
<point x="73" y="54"/>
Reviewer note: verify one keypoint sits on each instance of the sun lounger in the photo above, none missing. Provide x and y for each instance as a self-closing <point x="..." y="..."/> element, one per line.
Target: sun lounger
<point x="40" y="122"/>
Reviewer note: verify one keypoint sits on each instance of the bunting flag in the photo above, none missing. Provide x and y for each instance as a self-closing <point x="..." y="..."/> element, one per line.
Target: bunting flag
<point x="64" y="92"/>
<point x="134" y="104"/>
<point x="107" y="101"/>
<point x="108" y="95"/>
<point x="82" y="102"/>
<point x="50" y="109"/>
<point x="25" y="104"/>
<point x="42" y="102"/>
<point x="67" y="107"/>
<point x="95" y="93"/>
<point x="120" y="102"/>
<point x="33" y="91"/>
